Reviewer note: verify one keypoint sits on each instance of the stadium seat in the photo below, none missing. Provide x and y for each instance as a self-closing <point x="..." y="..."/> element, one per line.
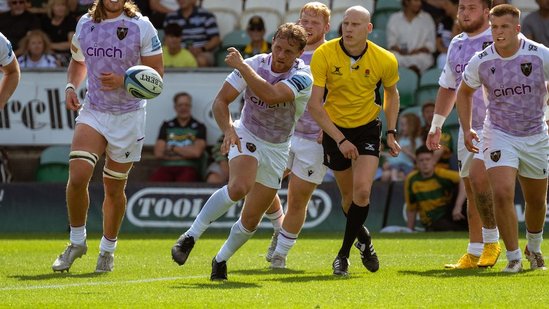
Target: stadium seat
<point x="220" y="58"/>
<point x="388" y="5"/>
<point x="340" y="6"/>
<point x="272" y="13"/>
<point x="54" y="164"/>
<point x="332" y="34"/>
<point x="379" y="37"/>
<point x="407" y="86"/>
<point x="381" y="17"/>
<point x="227" y="14"/>
<point x="236" y="38"/>
<point x="428" y="86"/>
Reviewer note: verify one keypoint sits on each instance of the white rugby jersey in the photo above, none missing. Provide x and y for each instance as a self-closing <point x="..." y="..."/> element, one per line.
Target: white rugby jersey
<point x="113" y="45"/>
<point x="6" y="51"/>
<point x="515" y="87"/>
<point x="273" y="123"/>
<point x="461" y="49"/>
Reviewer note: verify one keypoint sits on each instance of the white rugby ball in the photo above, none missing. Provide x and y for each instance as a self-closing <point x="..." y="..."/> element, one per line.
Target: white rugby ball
<point x="143" y="82"/>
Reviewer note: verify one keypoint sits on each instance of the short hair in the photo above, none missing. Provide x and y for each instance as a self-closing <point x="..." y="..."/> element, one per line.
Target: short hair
<point x="427" y="104"/>
<point x="423" y="149"/>
<point x="182" y="94"/>
<point x="294" y="33"/>
<point x="505" y="9"/>
<point x="52" y="3"/>
<point x="317" y="8"/>
<point x="173" y="29"/>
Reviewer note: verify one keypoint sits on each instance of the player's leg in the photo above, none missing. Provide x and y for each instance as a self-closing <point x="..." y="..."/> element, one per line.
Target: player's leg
<point x="241" y="180"/>
<point x="485" y="207"/>
<point x="86" y="147"/>
<point x="535" y="196"/>
<point x="257" y="202"/>
<point x="115" y="176"/>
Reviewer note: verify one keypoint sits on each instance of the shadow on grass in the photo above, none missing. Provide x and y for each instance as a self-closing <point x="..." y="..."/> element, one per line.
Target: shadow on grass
<point x="222" y="285"/>
<point x="453" y="273"/>
<point x="309" y="278"/>
<point x="267" y="271"/>
<point x="55" y="276"/>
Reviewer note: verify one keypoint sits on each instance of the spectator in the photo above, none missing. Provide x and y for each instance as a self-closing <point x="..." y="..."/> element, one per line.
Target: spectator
<point x="36" y="51"/>
<point x="535" y="25"/>
<point x="159" y="9"/>
<point x="447" y="28"/>
<point x="256" y="32"/>
<point x="218" y="171"/>
<point x="431" y="192"/>
<point x="180" y="145"/>
<point x="176" y="56"/>
<point x="444" y="154"/>
<point x="411" y="36"/>
<point x="409" y="139"/>
<point x="59" y="25"/>
<point x="200" y="33"/>
<point x="15" y="23"/>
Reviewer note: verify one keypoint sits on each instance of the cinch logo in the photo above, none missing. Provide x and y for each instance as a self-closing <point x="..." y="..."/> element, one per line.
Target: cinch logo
<point x="111" y="52"/>
<point x="509" y="91"/>
<point x="178" y="207"/>
<point x="460" y="68"/>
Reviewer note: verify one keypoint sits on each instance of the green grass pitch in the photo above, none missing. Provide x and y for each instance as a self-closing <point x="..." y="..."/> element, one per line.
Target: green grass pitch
<point x="411" y="275"/>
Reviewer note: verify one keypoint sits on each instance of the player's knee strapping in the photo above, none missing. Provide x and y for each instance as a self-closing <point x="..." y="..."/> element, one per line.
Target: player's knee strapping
<point x="114" y="175"/>
<point x="87" y="156"/>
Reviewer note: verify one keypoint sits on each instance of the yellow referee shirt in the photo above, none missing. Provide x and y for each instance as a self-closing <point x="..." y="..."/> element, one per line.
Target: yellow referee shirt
<point x="351" y="86"/>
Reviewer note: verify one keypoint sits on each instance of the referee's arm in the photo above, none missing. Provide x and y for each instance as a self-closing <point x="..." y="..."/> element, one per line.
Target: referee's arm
<point x="391" y="105"/>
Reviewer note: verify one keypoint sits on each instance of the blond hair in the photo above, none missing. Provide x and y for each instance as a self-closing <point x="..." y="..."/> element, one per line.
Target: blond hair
<point x="24" y="43"/>
<point x="98" y="13"/>
<point x="52" y="3"/>
<point x="317" y="8"/>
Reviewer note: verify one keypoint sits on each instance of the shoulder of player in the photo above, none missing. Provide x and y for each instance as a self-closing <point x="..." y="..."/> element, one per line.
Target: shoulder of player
<point x="529" y="46"/>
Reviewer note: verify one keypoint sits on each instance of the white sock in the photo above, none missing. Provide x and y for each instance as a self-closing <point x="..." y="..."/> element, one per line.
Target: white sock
<point x="238" y="237"/>
<point x="78" y="235"/>
<point x="490" y="236"/>
<point x="286" y="241"/>
<point x="514" y="255"/>
<point x="276" y="218"/>
<point x="534" y="241"/>
<point x="215" y="207"/>
<point x="475" y="248"/>
<point x="107" y="245"/>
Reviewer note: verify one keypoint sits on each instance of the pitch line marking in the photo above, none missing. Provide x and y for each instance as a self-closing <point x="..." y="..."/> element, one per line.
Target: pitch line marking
<point x="61" y="286"/>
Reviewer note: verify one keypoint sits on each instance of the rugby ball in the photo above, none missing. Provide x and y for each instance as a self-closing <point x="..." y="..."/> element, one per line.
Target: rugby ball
<point x="143" y="82"/>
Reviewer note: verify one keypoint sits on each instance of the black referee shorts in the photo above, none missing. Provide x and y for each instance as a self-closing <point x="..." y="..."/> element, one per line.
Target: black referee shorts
<point x="366" y="138"/>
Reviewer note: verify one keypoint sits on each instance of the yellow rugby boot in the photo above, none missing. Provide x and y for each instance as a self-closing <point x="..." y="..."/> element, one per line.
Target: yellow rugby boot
<point x="467" y="261"/>
<point x="490" y="255"/>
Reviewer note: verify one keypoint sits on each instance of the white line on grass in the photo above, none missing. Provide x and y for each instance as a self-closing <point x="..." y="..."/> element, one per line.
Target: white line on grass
<point x="61" y="286"/>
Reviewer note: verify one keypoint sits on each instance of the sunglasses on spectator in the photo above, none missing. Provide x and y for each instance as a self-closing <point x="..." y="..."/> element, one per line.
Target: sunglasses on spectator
<point x="18" y="2"/>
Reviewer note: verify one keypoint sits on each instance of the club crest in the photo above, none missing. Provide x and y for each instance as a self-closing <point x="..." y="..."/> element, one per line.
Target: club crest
<point x="121" y="32"/>
<point x="495" y="155"/>
<point x="526" y="68"/>
<point x="486" y="44"/>
<point x="251" y="147"/>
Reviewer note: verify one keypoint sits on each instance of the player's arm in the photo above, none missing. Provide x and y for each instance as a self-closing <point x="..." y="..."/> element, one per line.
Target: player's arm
<point x="10" y="80"/>
<point x="391" y="105"/>
<point x="155" y="61"/>
<point x="222" y="116"/>
<point x="268" y="93"/>
<point x="464" y="104"/>
<point x="443" y="106"/>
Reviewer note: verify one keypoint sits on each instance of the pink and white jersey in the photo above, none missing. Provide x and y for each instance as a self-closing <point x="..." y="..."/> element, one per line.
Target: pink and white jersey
<point x="273" y="123"/>
<point x="461" y="49"/>
<point x="306" y="127"/>
<point x="515" y="87"/>
<point x="6" y="52"/>
<point x="113" y="45"/>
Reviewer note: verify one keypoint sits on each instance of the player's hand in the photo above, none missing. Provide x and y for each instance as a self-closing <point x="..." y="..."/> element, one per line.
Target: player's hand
<point x="234" y="58"/>
<point x="348" y="150"/>
<point x="469" y="137"/>
<point x="394" y="147"/>
<point x="110" y="81"/>
<point x="71" y="100"/>
<point x="433" y="139"/>
<point x="320" y="137"/>
<point x="231" y="139"/>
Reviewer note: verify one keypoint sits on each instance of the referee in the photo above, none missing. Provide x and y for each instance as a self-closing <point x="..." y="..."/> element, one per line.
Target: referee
<point x="352" y="69"/>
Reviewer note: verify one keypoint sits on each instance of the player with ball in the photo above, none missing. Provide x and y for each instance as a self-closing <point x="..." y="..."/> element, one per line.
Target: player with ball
<point x="110" y="39"/>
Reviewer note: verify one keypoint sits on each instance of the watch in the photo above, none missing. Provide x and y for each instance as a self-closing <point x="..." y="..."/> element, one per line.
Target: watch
<point x="393" y="131"/>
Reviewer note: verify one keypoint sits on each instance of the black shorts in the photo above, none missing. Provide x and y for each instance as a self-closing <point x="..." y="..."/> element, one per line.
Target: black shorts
<point x="366" y="138"/>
